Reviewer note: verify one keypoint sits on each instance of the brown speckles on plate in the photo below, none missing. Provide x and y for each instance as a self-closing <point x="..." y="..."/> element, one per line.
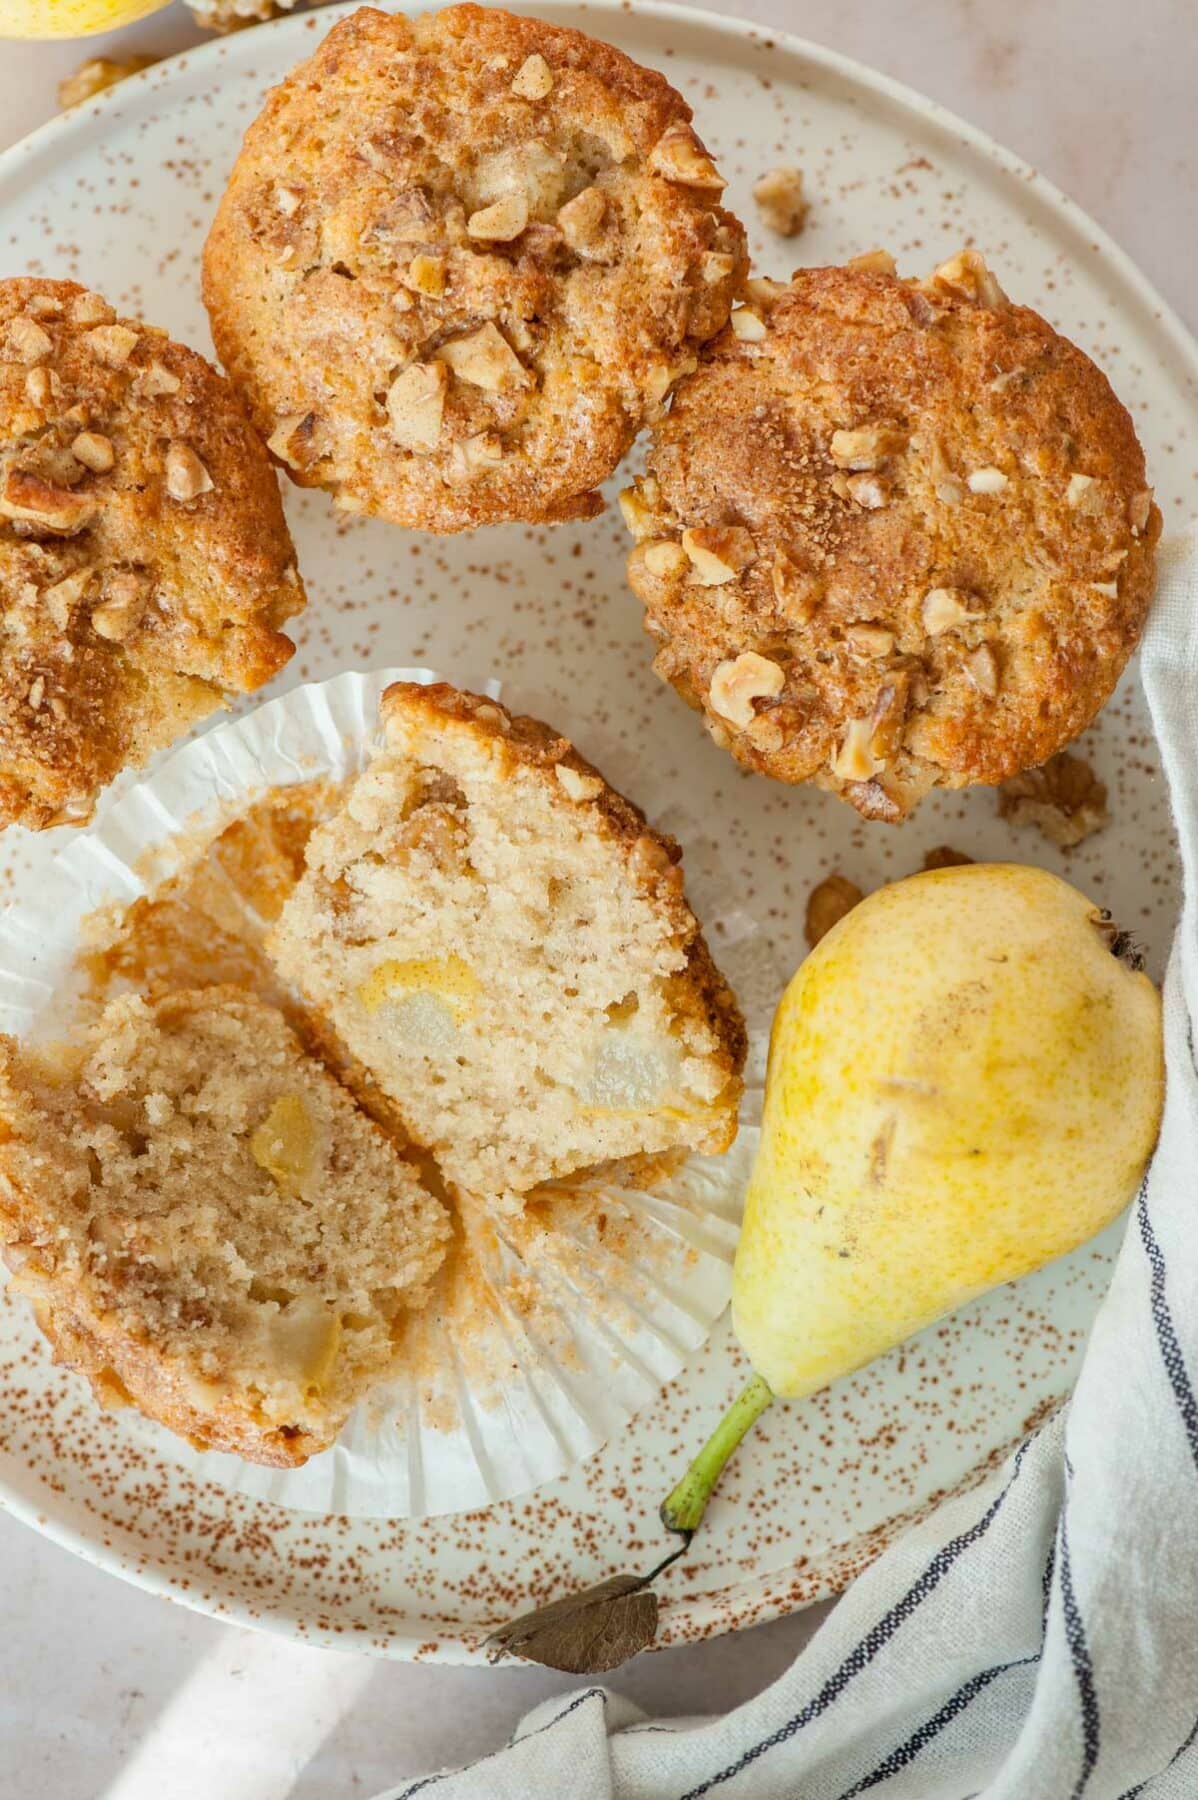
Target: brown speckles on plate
<point x="824" y="1484"/>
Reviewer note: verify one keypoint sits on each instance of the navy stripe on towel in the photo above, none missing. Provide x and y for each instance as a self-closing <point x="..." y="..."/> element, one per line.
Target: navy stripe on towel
<point x="1166" y="1334"/>
<point x="428" y="1781"/>
<point x="1083" y="1671"/>
<point x="862" y="1654"/>
<point x="931" y="1728"/>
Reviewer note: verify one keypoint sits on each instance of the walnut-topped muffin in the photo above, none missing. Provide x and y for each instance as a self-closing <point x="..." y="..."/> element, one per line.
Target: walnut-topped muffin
<point x="461" y="260"/>
<point x="145" y="564"/>
<point x="894" y="534"/>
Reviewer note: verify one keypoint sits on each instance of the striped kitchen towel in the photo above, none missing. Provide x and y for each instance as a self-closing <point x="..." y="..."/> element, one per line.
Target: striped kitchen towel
<point x="1037" y="1638"/>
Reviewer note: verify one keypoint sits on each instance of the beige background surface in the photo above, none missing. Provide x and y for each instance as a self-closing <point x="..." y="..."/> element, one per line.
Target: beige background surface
<point x="105" y="1691"/>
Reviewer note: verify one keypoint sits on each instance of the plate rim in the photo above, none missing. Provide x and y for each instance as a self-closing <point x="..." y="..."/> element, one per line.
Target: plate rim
<point x="708" y="1615"/>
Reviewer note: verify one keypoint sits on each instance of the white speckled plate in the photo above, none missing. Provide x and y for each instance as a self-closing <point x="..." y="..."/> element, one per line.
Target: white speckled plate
<point x="118" y="194"/>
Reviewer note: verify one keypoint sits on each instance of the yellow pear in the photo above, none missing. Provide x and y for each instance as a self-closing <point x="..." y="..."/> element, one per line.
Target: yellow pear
<point x="69" y="18"/>
<point x="965" y="1081"/>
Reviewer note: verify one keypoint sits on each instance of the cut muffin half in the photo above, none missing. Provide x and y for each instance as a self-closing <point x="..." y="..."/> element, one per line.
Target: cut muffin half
<point x="503" y="945"/>
<point x="207" y="1224"/>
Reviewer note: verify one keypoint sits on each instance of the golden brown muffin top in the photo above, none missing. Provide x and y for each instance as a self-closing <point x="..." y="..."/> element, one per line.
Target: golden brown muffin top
<point x="461" y="260"/>
<point x="894" y="534"/>
<point x="145" y="564"/>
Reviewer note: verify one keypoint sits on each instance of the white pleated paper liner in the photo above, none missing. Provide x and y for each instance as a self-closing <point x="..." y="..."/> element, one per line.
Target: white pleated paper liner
<point x="551" y="1329"/>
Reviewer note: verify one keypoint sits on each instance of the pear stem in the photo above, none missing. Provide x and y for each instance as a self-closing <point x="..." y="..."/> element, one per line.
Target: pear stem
<point x="683" y="1510"/>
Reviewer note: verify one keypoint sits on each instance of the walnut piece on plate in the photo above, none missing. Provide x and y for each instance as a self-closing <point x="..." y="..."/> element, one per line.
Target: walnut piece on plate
<point x="1064" y="798"/>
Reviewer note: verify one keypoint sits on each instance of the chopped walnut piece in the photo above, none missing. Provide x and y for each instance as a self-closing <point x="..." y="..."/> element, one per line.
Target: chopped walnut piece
<point x="866" y="446"/>
<point x="577" y="785"/>
<point x="968" y="275"/>
<point x="94" y="451"/>
<point x="157" y="379"/>
<point x="186" y="476"/>
<point x="987" y="481"/>
<point x="867" y="491"/>
<point x="667" y="561"/>
<point x="945" y="857"/>
<point x="736" y="684"/>
<point x="98" y="73"/>
<point x="780" y="201"/>
<point x="61" y="600"/>
<point x="426" y="275"/>
<point x="297" y="440"/>
<point x="119" y="614"/>
<point x="1139" y="510"/>
<point x="483" y="450"/>
<point x="1064" y="798"/>
<point x="870" y="640"/>
<point x="90" y="309"/>
<point x="798" y="591"/>
<point x="112" y="344"/>
<point x="499" y="223"/>
<point x="37" y="692"/>
<point x="855" y="760"/>
<point x="717" y="266"/>
<point x="873" y="262"/>
<point x="534" y="78"/>
<point x="40" y="386"/>
<point x="581" y="220"/>
<point x="747" y="326"/>
<point x="828" y="903"/>
<point x="27" y="342"/>
<point x="31" y="500"/>
<point x="944" y="609"/>
<point x="1078" y="489"/>
<point x="679" y="156"/>
<point x="416" y="405"/>
<point x="485" y="359"/>
<point x="636" y="513"/>
<point x="1109" y="589"/>
<point x="981" y="668"/>
<point x="718" y="553"/>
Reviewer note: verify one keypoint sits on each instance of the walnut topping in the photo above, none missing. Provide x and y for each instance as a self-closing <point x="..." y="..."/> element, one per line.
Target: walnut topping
<point x="500" y="222"/>
<point x="40" y="386"/>
<point x="96" y="74"/>
<point x="637" y="515"/>
<point x="186" y="476"/>
<point x="717" y="266"/>
<point x="855" y="760"/>
<point x="945" y="857"/>
<point x="27" y="342"/>
<point x="1078" y="489"/>
<point x="297" y="440"/>
<point x="666" y="560"/>
<point x="577" y="785"/>
<point x="485" y="359"/>
<point x="865" y="447"/>
<point x="94" y="451"/>
<point x="981" y="668"/>
<point x="1139" y="510"/>
<point x="1064" y="798"/>
<point x="867" y="491"/>
<point x="483" y="450"/>
<point x="37" y="692"/>
<point x="679" y="156"/>
<point x="61" y="600"/>
<point x="416" y="405"/>
<point x="873" y="262"/>
<point x="796" y="590"/>
<point x="779" y="197"/>
<point x="968" y="275"/>
<point x="90" y="309"/>
<point x="119" y="614"/>
<point x="112" y="344"/>
<point x="288" y="199"/>
<point x="747" y="326"/>
<point x="34" y="501"/>
<point x="581" y="220"/>
<point x="827" y="904"/>
<point x="943" y="610"/>
<point x="718" y="552"/>
<point x="156" y="379"/>
<point x="736" y="684"/>
<point x="869" y="640"/>
<point x="426" y="275"/>
<point x="1109" y="589"/>
<point x="987" y="481"/>
<point x="534" y="78"/>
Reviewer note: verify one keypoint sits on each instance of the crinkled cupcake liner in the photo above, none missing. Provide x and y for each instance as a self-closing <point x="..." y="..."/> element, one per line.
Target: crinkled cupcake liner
<point x="573" y="1319"/>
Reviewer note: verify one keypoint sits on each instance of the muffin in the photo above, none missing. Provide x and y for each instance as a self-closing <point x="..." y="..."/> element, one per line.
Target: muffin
<point x="502" y="944"/>
<point x="894" y="535"/>
<point x="207" y="1225"/>
<point x="461" y="260"/>
<point x="145" y="564"/>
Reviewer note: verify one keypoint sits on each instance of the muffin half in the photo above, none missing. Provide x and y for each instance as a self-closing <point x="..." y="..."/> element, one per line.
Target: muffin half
<point x="502" y="944"/>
